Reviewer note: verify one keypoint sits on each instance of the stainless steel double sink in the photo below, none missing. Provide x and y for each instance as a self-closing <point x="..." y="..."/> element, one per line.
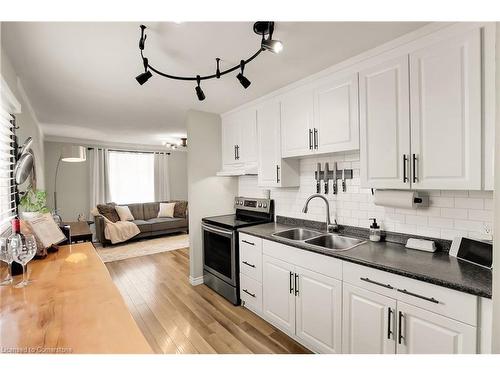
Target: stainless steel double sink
<point x="329" y="242"/>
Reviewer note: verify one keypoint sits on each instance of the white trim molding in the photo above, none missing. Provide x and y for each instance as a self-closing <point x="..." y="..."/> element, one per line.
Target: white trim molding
<point x="195" y="280"/>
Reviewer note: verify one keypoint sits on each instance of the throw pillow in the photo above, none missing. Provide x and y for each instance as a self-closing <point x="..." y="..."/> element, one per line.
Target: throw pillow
<point x="180" y="209"/>
<point x="109" y="212"/>
<point x="124" y="213"/>
<point x="166" y="210"/>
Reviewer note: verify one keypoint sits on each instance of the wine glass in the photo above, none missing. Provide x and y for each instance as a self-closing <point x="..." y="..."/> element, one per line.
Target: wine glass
<point x="6" y="256"/>
<point x="23" y="253"/>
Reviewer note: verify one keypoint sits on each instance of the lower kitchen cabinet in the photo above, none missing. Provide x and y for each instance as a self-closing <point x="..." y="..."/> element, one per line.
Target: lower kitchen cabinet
<point x="368" y="322"/>
<point x="423" y="332"/>
<point x="318" y="311"/>
<point x="278" y="293"/>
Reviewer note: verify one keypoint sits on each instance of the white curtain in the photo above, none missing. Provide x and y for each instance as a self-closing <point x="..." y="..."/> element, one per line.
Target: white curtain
<point x="162" y="183"/>
<point x="99" y="176"/>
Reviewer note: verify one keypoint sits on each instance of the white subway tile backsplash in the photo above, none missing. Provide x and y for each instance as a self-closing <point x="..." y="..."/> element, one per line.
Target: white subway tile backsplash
<point x="448" y="214"/>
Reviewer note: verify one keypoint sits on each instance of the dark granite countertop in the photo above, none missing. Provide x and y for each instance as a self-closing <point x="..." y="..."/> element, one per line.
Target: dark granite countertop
<point x="437" y="268"/>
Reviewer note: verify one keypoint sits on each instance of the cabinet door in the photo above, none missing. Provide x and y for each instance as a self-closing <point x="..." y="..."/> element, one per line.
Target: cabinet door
<point x="424" y="332"/>
<point x="278" y="294"/>
<point x="445" y="91"/>
<point x="336" y="113"/>
<point x="319" y="311"/>
<point x="269" y="143"/>
<point x="296" y="123"/>
<point x="247" y="142"/>
<point x="230" y="138"/>
<point x="368" y="322"/>
<point x="384" y="125"/>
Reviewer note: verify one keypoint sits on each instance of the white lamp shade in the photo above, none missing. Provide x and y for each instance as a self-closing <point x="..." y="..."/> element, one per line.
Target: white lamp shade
<point x="73" y="154"/>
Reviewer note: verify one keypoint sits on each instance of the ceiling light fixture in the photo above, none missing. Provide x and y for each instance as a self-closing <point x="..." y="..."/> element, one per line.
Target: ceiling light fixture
<point x="263" y="28"/>
<point x="243" y="80"/>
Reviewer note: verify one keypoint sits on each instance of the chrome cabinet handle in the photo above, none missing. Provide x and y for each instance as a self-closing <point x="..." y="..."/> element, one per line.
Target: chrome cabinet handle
<point x="277" y="174"/>
<point x="250" y="294"/>
<point x="430" y="299"/>
<point x="388" y="286"/>
<point x="296" y="284"/>
<point x="400" y="327"/>
<point x="315" y="138"/>
<point x="389" y="331"/>
<point x="237" y="152"/>
<point x="248" y="242"/>
<point x="414" y="159"/>
<point x="310" y="139"/>
<point x="405" y="160"/>
<point x="235" y="157"/>
<point x="248" y="264"/>
<point x="291" y="286"/>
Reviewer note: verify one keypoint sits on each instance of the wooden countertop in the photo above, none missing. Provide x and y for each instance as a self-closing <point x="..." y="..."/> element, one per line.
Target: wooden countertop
<point x="72" y="306"/>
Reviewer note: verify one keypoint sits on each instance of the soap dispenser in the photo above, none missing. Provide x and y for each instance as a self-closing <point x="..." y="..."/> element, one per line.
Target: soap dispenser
<point x="375" y="232"/>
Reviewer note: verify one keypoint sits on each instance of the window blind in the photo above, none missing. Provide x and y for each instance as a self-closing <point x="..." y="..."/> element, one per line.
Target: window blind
<point x="7" y="160"/>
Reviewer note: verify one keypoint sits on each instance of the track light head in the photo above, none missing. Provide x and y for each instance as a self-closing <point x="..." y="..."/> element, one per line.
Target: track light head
<point x="143" y="77"/>
<point x="199" y="92"/>
<point x="272" y="45"/>
<point x="245" y="82"/>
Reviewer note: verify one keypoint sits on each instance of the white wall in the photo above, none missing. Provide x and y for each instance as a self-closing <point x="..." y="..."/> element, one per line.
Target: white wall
<point x="450" y="213"/>
<point x="73" y="183"/>
<point x="208" y="195"/>
<point x="26" y="120"/>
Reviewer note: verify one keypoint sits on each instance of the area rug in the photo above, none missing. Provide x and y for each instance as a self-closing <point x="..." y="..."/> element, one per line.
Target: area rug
<point x="140" y="248"/>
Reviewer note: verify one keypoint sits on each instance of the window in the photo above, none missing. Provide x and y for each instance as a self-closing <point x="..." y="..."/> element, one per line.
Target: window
<point x="131" y="177"/>
<point x="7" y="187"/>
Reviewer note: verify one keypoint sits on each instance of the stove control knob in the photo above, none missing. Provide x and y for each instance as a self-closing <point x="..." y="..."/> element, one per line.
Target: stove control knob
<point x="260" y="204"/>
<point x="265" y="205"/>
<point x="241" y="202"/>
<point x="237" y="202"/>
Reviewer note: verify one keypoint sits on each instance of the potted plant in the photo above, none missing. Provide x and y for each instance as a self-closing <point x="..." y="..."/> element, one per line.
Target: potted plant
<point x="33" y="202"/>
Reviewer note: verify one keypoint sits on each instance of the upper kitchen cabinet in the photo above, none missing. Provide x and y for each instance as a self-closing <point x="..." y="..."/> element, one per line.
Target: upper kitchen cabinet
<point x="297" y="133"/>
<point x="273" y="171"/>
<point x="384" y="124"/>
<point x="420" y="117"/>
<point x="321" y="117"/>
<point x="239" y="139"/>
<point x="445" y="92"/>
<point x="336" y="121"/>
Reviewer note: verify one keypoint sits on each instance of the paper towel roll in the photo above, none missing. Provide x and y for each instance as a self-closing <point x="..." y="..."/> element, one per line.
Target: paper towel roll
<point x="395" y="198"/>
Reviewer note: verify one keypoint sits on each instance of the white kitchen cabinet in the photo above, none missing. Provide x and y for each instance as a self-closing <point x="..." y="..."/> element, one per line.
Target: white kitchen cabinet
<point x="297" y="133"/>
<point x="278" y="293"/>
<point x="239" y="139"/>
<point x="368" y="324"/>
<point x="336" y="120"/>
<point x="445" y="92"/>
<point x="318" y="311"/>
<point x="273" y="171"/>
<point x="424" y="332"/>
<point x="384" y="124"/>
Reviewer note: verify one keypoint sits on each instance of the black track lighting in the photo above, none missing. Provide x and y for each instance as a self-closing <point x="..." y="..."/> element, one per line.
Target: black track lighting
<point x="271" y="44"/>
<point x="143" y="77"/>
<point x="217" y="71"/>
<point x="142" y="41"/>
<point x="199" y="92"/>
<point x="243" y="80"/>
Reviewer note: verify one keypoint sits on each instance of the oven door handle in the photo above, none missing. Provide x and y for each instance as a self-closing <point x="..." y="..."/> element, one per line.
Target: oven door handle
<point x="217" y="230"/>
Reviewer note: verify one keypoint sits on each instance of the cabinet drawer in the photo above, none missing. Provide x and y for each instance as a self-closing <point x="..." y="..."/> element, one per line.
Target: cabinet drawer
<point x="323" y="264"/>
<point x="251" y="293"/>
<point x="444" y="301"/>
<point x="251" y="256"/>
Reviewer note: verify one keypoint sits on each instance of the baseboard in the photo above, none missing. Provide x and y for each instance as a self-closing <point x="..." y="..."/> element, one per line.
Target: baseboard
<point x="196" y="280"/>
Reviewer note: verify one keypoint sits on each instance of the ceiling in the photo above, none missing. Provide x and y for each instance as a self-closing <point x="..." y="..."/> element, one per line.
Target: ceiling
<point x="80" y="76"/>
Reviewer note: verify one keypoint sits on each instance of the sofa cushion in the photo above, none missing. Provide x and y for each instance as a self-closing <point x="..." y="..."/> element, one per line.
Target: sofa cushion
<point x="180" y="209"/>
<point x="109" y="212"/>
<point x="144" y="226"/>
<point x="137" y="210"/>
<point x="151" y="210"/>
<point x="167" y="223"/>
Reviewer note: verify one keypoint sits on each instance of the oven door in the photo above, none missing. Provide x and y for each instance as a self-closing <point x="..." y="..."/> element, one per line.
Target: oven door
<point x="219" y="252"/>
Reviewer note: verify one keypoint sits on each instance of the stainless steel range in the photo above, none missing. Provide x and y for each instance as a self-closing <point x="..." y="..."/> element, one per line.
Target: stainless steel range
<point x="220" y="244"/>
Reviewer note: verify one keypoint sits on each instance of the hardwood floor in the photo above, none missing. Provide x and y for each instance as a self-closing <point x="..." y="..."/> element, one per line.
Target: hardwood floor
<point x="176" y="317"/>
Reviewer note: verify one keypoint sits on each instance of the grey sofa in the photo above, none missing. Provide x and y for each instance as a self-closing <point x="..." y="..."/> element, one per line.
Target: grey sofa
<point x="145" y="215"/>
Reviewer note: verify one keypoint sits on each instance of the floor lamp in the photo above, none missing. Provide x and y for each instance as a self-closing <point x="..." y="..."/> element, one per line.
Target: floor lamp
<point x="69" y="154"/>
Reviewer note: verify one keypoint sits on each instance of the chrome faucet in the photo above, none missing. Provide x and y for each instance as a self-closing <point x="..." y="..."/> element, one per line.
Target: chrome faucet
<point x="329" y="226"/>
